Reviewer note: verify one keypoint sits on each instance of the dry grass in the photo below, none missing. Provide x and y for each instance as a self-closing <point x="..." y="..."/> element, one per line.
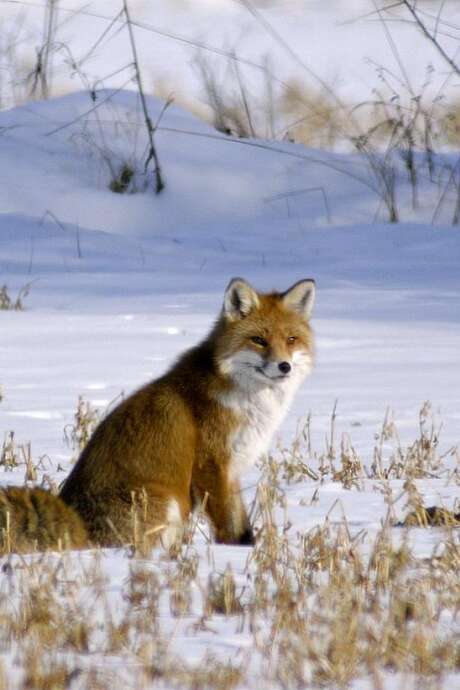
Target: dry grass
<point x="9" y="303"/>
<point x="391" y="459"/>
<point x="450" y="123"/>
<point x="10" y="454"/>
<point x="310" y="117"/>
<point x="318" y="608"/>
<point x="86" y="418"/>
<point x="397" y="132"/>
<point x="297" y="111"/>
<point x="294" y="112"/>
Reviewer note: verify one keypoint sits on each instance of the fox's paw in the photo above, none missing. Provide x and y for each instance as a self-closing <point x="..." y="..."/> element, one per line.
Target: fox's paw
<point x="247" y="538"/>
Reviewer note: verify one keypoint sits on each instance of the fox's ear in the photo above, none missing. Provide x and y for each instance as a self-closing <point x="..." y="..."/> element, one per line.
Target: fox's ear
<point x="240" y="299"/>
<point x="300" y="297"/>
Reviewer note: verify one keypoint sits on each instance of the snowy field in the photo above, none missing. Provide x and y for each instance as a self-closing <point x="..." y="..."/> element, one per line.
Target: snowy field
<point x="117" y="285"/>
<point x="121" y="284"/>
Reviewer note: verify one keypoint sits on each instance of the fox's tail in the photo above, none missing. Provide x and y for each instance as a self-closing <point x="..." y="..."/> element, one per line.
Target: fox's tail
<point x="35" y="520"/>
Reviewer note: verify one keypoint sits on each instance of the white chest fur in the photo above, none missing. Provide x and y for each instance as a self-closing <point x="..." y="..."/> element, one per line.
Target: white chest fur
<point x="260" y="413"/>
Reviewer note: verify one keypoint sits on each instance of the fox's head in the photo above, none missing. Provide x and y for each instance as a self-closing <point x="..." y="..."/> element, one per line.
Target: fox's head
<point x="265" y="339"/>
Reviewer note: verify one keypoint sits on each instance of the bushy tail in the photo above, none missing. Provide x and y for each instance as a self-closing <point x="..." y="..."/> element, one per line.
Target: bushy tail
<point x="35" y="520"/>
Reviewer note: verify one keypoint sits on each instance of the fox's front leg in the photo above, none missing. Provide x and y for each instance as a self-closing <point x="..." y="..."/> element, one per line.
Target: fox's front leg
<point x="224" y="505"/>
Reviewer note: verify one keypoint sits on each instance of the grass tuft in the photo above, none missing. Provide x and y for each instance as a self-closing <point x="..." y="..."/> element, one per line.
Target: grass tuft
<point x="9" y="303"/>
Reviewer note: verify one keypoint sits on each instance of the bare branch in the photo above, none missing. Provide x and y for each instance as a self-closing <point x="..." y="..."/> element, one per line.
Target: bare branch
<point x="152" y="154"/>
<point x="431" y="37"/>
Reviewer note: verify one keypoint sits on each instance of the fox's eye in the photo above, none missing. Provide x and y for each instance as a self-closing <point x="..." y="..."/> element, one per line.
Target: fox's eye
<point x="259" y="341"/>
<point x="292" y="339"/>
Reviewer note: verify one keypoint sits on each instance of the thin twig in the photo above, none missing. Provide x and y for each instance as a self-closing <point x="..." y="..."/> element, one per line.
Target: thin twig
<point x="152" y="154"/>
<point x="394" y="49"/>
<point x="430" y="36"/>
<point x="87" y="112"/>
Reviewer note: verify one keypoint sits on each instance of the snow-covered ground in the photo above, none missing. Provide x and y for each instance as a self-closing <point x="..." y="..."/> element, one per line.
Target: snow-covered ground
<point x="122" y="283"/>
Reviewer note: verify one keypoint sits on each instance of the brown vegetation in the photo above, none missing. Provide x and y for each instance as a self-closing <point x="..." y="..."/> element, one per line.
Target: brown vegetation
<point x="319" y="608"/>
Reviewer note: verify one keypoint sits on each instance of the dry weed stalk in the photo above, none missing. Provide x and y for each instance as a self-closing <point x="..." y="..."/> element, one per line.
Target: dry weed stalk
<point x="86" y="418"/>
<point x="419" y="459"/>
<point x="9" y="456"/>
<point x="311" y="117"/>
<point x="222" y="596"/>
<point x="31" y="474"/>
<point x="295" y="461"/>
<point x="181" y="580"/>
<point x="41" y="76"/>
<point x="13" y="455"/>
<point x="351" y="472"/>
<point x="450" y="123"/>
<point x="150" y="128"/>
<point x="8" y="303"/>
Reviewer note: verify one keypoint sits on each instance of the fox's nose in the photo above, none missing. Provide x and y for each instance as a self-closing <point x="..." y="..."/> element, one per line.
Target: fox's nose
<point x="284" y="367"/>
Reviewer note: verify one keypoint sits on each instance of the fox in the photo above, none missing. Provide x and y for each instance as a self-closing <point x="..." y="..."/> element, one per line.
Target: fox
<point x="184" y="439"/>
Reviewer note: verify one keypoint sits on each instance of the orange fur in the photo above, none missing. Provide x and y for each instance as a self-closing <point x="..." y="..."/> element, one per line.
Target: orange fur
<point x="170" y="442"/>
<point x="36" y="519"/>
<point x="185" y="438"/>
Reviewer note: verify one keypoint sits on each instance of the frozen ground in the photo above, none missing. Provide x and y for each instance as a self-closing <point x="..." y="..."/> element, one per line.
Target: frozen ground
<point x="120" y="284"/>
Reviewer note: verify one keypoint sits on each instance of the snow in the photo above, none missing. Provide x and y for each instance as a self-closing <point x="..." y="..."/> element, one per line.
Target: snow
<point x="341" y="43"/>
<point x="121" y="284"/>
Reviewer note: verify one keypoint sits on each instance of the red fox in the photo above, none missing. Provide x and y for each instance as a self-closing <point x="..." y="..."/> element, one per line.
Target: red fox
<point x="185" y="438"/>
